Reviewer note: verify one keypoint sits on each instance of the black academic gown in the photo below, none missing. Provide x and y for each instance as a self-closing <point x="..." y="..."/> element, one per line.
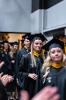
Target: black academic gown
<point x="26" y="83"/>
<point x="6" y="68"/>
<point x="19" y="55"/>
<point x="57" y="77"/>
<point x="3" y="94"/>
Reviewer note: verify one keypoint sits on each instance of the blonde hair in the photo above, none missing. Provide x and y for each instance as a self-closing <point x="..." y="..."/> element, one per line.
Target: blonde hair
<point x="48" y="63"/>
<point x="32" y="56"/>
<point x="64" y="60"/>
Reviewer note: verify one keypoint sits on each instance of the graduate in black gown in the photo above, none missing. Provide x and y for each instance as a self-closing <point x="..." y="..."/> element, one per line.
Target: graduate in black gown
<point x="30" y="66"/>
<point x="5" y="57"/>
<point x="54" y="68"/>
<point x="23" y="51"/>
<point x="6" y="68"/>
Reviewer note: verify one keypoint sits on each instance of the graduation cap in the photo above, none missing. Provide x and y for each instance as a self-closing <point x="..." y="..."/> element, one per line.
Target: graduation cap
<point x="15" y="43"/>
<point x="53" y="44"/>
<point x="26" y="36"/>
<point x="5" y="41"/>
<point x="37" y="36"/>
<point x="11" y="43"/>
<point x="59" y="35"/>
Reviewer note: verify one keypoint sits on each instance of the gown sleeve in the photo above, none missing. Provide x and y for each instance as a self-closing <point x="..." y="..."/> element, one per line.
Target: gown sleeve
<point x="22" y="74"/>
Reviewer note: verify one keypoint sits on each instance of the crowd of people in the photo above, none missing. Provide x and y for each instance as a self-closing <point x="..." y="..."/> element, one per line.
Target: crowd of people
<point x="31" y="73"/>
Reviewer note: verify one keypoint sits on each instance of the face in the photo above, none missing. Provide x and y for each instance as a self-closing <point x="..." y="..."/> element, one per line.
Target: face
<point x="56" y="54"/>
<point x="6" y="46"/>
<point x="27" y="42"/>
<point x="15" y="47"/>
<point x="37" y="45"/>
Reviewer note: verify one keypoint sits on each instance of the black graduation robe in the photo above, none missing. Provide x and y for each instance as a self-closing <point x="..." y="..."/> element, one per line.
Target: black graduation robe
<point x="19" y="55"/>
<point x="6" y="68"/>
<point x="3" y="94"/>
<point x="57" y="77"/>
<point x="26" y="83"/>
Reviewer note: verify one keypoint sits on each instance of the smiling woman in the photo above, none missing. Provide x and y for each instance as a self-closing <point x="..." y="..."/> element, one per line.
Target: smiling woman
<point x="30" y="66"/>
<point x="56" y="69"/>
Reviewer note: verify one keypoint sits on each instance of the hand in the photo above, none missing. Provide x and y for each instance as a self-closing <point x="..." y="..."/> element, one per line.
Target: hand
<point x="48" y="93"/>
<point x="24" y="95"/>
<point x="10" y="78"/>
<point x="13" y="61"/>
<point x="33" y="76"/>
<point x="5" y="79"/>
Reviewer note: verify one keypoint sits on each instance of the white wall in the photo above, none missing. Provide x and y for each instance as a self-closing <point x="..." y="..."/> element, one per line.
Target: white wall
<point x="36" y="20"/>
<point x="15" y="15"/>
<point x="55" y="17"/>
